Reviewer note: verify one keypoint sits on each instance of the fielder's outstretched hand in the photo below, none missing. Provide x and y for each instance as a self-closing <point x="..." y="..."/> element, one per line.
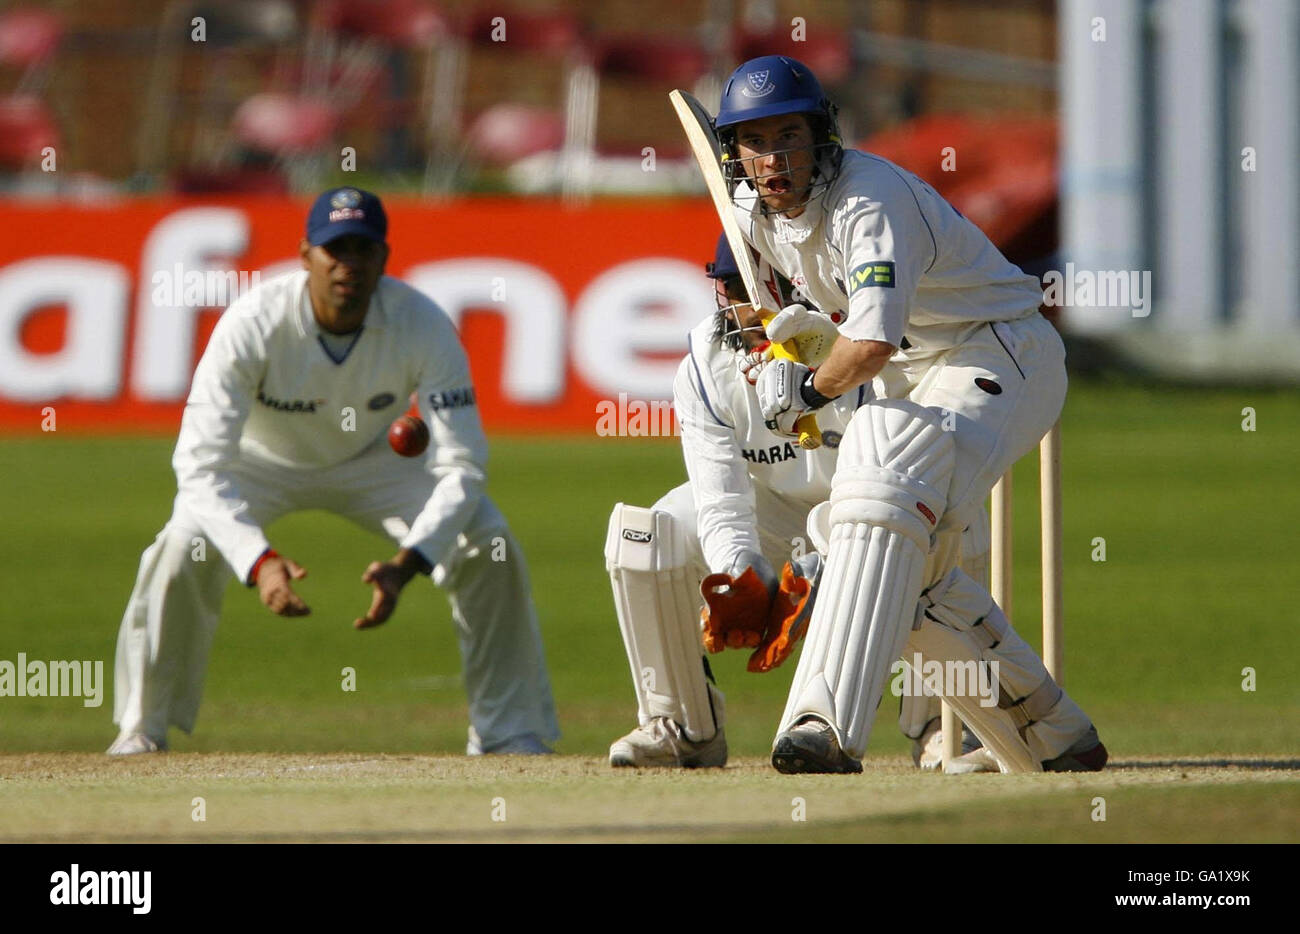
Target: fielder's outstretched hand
<point x="388" y="578"/>
<point x="274" y="589"/>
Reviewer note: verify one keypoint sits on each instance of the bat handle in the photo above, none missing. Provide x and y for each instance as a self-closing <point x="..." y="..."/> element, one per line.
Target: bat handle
<point x="810" y="436"/>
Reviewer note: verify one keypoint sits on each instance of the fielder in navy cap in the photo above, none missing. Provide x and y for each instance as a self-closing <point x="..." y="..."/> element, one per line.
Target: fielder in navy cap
<point x="344" y="254"/>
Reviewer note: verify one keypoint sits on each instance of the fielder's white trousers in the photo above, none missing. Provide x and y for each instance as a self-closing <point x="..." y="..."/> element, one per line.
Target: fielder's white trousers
<point x="171" y="617"/>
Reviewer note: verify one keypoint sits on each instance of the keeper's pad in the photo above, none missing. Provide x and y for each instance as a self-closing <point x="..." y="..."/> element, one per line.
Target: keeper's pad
<point x="658" y="612"/>
<point x="887" y="496"/>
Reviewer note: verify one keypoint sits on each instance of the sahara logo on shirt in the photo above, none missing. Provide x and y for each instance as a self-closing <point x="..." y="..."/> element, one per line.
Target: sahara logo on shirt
<point x="773" y="455"/>
<point x="285" y="405"/>
<point x="869" y="274"/>
<point x="451" y="399"/>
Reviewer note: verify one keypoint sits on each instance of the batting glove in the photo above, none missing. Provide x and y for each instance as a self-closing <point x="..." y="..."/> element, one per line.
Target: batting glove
<point x="786" y="394"/>
<point x="813" y="333"/>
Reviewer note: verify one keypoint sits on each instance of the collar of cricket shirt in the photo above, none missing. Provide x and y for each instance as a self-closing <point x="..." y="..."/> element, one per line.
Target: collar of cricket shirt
<point x="308" y="326"/>
<point x="799" y="229"/>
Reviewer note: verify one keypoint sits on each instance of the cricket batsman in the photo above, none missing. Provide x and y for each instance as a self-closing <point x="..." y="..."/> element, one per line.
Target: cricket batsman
<point x="289" y="410"/>
<point x="718" y="540"/>
<point x="967" y="377"/>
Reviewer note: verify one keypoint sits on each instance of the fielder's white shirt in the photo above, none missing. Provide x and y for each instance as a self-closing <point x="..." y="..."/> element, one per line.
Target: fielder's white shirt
<point x="728" y="449"/>
<point x="883" y="247"/>
<point x="267" y="391"/>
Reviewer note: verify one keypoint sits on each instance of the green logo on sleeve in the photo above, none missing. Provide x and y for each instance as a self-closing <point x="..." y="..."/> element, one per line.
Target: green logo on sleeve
<point x="868" y="274"/>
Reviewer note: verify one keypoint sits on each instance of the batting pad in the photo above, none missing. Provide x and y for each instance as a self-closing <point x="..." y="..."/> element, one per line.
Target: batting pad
<point x="1047" y="717"/>
<point x="658" y="604"/>
<point x="994" y="726"/>
<point x="887" y="496"/>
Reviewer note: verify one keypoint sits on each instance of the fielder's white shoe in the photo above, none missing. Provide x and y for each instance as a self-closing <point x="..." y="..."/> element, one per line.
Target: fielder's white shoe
<point x="134" y="744"/>
<point x="662" y="743"/>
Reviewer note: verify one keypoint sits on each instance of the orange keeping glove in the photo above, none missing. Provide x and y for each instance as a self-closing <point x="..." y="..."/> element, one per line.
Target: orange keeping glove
<point x="787" y="620"/>
<point x="735" y="612"/>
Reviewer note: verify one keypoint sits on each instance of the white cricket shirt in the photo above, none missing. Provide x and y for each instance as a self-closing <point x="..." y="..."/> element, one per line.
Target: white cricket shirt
<point x="268" y="391"/>
<point x="882" y="246"/>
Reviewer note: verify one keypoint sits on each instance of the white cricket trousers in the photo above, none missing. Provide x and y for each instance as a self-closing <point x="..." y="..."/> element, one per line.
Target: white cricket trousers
<point x="171" y="617"/>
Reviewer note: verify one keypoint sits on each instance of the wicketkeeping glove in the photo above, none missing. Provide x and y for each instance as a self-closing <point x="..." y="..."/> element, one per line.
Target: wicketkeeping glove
<point x="787" y="620"/>
<point x="752" y="363"/>
<point x="737" y="606"/>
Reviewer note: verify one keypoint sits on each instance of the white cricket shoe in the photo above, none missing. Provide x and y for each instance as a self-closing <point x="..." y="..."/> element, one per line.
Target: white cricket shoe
<point x="134" y="744"/>
<point x="662" y="743"/>
<point x="978" y="760"/>
<point x="927" y="752"/>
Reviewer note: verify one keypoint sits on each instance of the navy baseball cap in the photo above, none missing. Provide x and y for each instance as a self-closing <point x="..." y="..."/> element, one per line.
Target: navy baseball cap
<point x="342" y="211"/>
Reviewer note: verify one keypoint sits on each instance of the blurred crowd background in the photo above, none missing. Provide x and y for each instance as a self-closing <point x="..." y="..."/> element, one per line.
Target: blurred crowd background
<point x="466" y="95"/>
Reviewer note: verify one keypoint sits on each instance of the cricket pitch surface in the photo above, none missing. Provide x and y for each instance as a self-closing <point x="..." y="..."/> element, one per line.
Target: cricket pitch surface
<point x="279" y="798"/>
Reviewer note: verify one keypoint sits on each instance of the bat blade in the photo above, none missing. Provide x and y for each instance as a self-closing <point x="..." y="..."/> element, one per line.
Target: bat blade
<point x="704" y="144"/>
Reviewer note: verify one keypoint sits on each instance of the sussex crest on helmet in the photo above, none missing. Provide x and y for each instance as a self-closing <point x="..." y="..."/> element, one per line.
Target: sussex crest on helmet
<point x="758" y="84"/>
<point x="345" y="198"/>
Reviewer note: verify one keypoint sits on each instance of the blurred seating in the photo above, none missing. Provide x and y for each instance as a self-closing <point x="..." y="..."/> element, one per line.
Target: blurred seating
<point x="284" y="124"/>
<point x="26" y="127"/>
<point x="29" y="37"/>
<point x="386" y="64"/>
<point x="629" y="98"/>
<point x="185" y="127"/>
<point x="504" y="132"/>
<point x="828" y="52"/>
<point x="1004" y="178"/>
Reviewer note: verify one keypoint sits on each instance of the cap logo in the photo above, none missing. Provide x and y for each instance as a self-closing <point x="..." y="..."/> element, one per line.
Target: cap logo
<point x="758" y="85"/>
<point x="345" y="198"/>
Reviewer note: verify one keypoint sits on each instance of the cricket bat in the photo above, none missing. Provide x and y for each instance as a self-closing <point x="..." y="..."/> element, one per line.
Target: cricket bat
<point x="703" y="141"/>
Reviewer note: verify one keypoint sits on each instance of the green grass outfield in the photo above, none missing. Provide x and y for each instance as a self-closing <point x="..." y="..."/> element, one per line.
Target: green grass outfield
<point x="1199" y="582"/>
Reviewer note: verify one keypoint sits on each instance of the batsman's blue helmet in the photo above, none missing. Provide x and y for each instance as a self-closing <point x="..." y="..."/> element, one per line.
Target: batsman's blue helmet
<point x="767" y="87"/>
<point x="771" y="85"/>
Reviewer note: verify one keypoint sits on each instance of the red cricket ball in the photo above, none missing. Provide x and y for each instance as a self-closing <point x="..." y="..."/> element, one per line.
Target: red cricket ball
<point x="408" y="436"/>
